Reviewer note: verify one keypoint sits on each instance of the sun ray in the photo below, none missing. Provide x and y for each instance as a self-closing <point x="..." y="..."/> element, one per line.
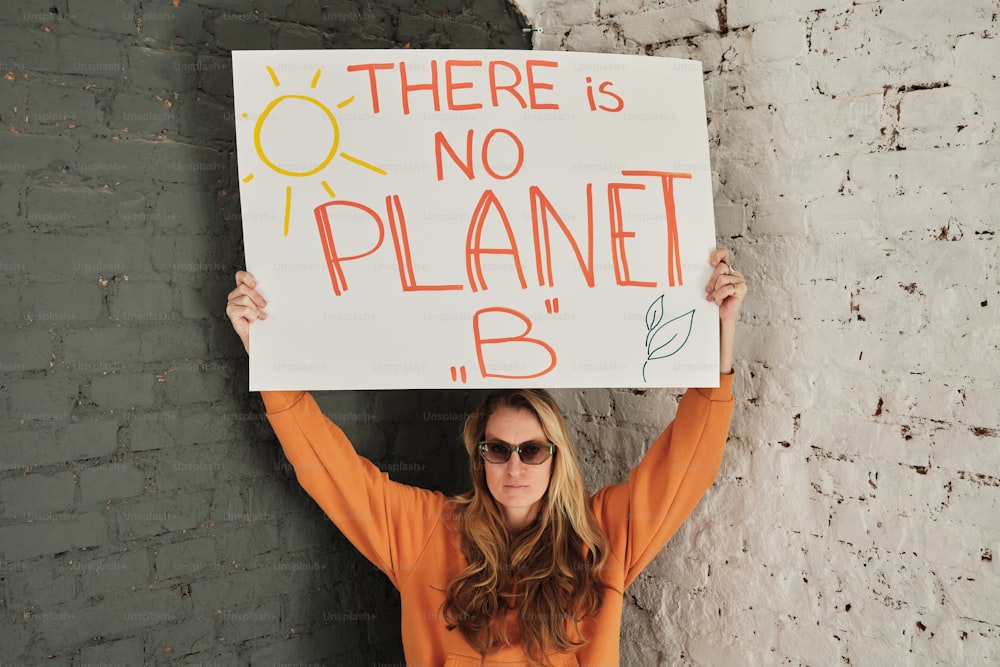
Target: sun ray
<point x="362" y="163"/>
<point x="274" y="77"/>
<point x="315" y="79"/>
<point x="346" y="102"/>
<point x="329" y="190"/>
<point x="249" y="177"/>
<point x="288" y="206"/>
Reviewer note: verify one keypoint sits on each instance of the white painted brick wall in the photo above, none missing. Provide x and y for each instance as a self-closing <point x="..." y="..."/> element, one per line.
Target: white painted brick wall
<point x="856" y="164"/>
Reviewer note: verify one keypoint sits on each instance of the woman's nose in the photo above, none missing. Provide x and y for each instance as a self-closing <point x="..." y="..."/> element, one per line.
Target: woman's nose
<point x="514" y="463"/>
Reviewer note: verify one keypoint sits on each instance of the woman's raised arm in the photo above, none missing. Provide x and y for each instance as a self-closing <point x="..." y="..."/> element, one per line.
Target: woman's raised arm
<point x="388" y="522"/>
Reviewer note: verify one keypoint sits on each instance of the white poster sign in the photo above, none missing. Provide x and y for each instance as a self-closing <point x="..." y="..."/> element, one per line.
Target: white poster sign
<point x="476" y="219"/>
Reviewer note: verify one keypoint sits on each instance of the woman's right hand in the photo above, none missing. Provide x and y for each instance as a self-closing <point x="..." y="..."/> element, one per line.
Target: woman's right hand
<point x="245" y="305"/>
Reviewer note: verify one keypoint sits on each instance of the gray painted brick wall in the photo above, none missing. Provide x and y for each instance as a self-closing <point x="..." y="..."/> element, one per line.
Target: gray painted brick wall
<point x="148" y="514"/>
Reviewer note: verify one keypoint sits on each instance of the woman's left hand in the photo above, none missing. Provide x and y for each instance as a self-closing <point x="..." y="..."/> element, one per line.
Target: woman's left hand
<point x="726" y="287"/>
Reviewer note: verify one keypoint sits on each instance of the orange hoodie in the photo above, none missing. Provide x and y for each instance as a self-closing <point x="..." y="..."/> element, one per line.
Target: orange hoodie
<point x="407" y="533"/>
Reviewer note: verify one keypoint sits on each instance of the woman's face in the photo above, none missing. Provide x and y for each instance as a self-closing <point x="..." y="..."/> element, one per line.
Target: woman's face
<point x="515" y="485"/>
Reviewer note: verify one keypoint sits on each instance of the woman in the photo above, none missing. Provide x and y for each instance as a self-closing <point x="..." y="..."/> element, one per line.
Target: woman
<point x="525" y="568"/>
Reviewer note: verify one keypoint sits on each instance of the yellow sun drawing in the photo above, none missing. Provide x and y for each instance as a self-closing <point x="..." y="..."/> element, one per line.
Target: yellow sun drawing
<point x="297" y="170"/>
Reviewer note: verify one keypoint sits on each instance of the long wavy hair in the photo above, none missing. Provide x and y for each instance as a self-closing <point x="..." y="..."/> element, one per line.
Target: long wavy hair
<point x="551" y="570"/>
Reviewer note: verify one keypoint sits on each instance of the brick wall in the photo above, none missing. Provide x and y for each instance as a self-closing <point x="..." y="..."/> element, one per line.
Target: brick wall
<point x="148" y="515"/>
<point x="855" y="153"/>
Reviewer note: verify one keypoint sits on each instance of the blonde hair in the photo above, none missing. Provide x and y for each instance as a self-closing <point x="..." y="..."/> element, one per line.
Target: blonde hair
<point x="552" y="568"/>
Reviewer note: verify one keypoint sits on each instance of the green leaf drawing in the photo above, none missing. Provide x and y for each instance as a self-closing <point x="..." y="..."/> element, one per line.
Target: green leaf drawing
<point x="653" y="316"/>
<point x="666" y="339"/>
<point x="672" y="331"/>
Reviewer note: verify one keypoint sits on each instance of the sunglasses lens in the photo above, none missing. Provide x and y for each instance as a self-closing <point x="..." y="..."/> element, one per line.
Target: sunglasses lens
<point x="496" y="452"/>
<point x="533" y="453"/>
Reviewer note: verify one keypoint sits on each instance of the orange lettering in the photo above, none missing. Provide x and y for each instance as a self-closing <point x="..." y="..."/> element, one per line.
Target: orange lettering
<point x="673" y="241"/>
<point x="333" y="261"/>
<point x="606" y="89"/>
<point x="510" y="88"/>
<point x="535" y="85"/>
<point x="466" y="167"/>
<point x="618" y="234"/>
<point x="371" y="68"/>
<point x="473" y="242"/>
<point x="522" y="338"/>
<point x="590" y="95"/>
<point x="486" y="160"/>
<point x="450" y="86"/>
<point x="541" y="208"/>
<point x="408" y="87"/>
<point x="401" y="241"/>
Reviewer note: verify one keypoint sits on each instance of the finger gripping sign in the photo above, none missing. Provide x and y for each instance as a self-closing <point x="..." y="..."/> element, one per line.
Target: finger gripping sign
<point x="476" y="219"/>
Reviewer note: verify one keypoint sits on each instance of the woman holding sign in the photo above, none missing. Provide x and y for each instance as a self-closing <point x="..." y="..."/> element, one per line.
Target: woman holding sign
<point x="526" y="568"/>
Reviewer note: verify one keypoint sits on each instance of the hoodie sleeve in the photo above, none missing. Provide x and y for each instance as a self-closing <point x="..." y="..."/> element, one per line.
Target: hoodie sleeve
<point x="388" y="522"/>
<point x="642" y="513"/>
